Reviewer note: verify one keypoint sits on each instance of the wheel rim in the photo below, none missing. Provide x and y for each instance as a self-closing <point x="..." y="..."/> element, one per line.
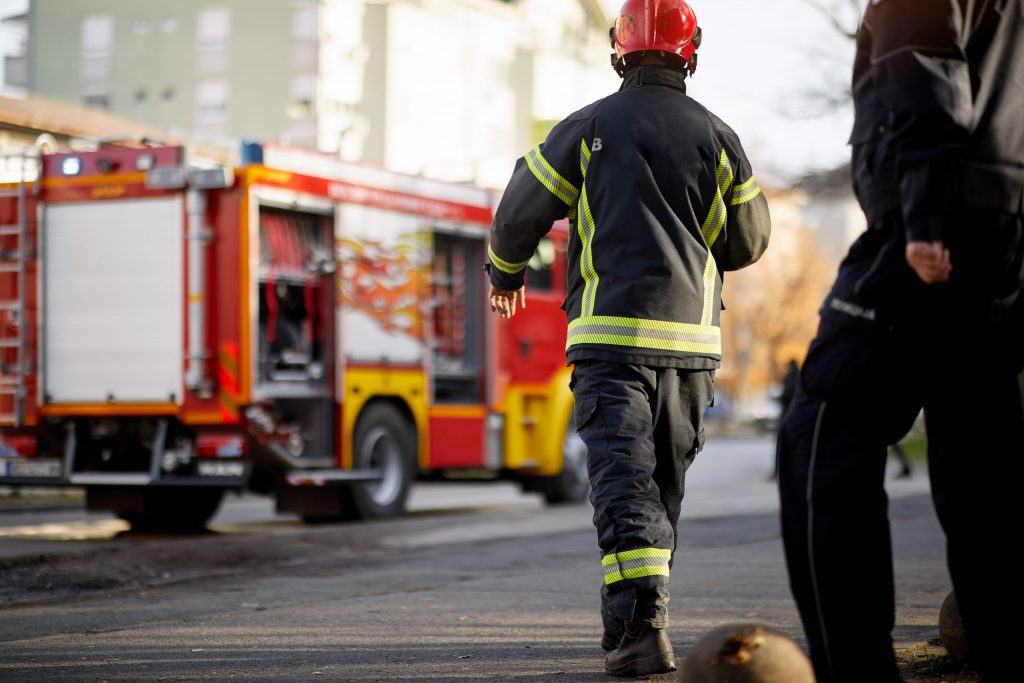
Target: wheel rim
<point x="382" y="452"/>
<point x="575" y="453"/>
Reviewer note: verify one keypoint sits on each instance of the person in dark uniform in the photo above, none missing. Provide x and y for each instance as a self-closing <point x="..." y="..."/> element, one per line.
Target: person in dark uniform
<point x="789" y="383"/>
<point x="925" y="312"/>
<point x="661" y="200"/>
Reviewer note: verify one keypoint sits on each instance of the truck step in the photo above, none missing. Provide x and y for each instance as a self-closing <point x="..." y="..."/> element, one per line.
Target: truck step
<point x="323" y="477"/>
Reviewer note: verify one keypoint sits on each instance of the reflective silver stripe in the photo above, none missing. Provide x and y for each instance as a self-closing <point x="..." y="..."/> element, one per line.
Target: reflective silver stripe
<point x="634" y="564"/>
<point x="550" y="178"/>
<point x="505" y="266"/>
<point x="710" y="277"/>
<point x="725" y="175"/>
<point x="741" y="194"/>
<point x="586" y="228"/>
<point x="645" y="334"/>
<point x="810" y="536"/>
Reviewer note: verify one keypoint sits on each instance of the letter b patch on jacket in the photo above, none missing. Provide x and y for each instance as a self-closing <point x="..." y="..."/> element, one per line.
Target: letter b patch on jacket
<point x="597" y="146"/>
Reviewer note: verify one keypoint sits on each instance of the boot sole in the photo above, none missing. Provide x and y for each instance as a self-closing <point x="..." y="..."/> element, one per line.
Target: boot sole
<point x="645" y="666"/>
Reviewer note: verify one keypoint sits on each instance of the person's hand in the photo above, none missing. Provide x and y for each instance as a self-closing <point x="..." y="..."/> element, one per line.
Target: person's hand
<point x="930" y="260"/>
<point x="504" y="301"/>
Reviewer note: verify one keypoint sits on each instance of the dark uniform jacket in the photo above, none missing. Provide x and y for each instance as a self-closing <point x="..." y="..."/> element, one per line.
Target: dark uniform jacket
<point x="938" y="90"/>
<point x="661" y="199"/>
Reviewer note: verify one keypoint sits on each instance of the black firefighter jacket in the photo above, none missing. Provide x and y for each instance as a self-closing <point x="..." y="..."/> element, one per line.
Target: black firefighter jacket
<point x="661" y="200"/>
<point x="938" y="90"/>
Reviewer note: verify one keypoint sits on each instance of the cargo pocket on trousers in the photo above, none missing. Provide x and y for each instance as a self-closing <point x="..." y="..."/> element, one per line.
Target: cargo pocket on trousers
<point x="583" y="412"/>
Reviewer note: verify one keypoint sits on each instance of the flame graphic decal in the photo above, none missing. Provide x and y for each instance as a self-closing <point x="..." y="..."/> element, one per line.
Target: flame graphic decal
<point x="387" y="282"/>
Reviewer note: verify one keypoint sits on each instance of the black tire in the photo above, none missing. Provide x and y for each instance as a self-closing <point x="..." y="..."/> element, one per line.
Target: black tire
<point x="572" y="484"/>
<point x="384" y="440"/>
<point x="173" y="509"/>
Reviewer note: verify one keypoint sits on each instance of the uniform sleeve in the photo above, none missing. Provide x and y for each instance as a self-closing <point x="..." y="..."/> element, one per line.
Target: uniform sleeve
<point x="920" y="70"/>
<point x="738" y="226"/>
<point x="543" y="189"/>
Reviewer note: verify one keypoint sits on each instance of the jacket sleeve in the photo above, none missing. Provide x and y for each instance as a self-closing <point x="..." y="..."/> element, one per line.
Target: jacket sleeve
<point x="747" y="226"/>
<point x="543" y="189"/>
<point x="919" y="67"/>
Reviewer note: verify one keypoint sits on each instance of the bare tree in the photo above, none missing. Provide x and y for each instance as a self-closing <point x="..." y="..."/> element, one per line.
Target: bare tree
<point x="832" y="89"/>
<point x="771" y="309"/>
<point x="843" y="15"/>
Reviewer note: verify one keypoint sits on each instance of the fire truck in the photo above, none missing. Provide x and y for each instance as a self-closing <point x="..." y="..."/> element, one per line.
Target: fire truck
<point x="283" y="323"/>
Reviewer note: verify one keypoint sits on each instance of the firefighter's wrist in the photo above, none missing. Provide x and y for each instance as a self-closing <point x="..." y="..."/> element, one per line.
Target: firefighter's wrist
<point x="502" y="280"/>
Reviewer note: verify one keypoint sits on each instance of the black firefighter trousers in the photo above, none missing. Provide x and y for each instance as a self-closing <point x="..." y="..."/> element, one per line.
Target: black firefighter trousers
<point x="887" y="347"/>
<point x="642" y="427"/>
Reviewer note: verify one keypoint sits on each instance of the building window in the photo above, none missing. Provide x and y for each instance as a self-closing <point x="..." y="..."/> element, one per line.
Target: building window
<point x="167" y="95"/>
<point x="140" y="96"/>
<point x="169" y="26"/>
<point x="142" y="27"/>
<point x="212" y="102"/>
<point x="214" y="29"/>
<point x="304" y="24"/>
<point x="98" y="36"/>
<point x="100" y="101"/>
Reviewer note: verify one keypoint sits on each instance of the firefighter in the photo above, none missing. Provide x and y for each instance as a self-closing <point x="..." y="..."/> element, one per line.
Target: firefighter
<point x="661" y="199"/>
<point x="925" y="312"/>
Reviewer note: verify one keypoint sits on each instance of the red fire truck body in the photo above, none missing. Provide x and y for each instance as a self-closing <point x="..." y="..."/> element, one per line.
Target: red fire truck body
<point x="289" y="324"/>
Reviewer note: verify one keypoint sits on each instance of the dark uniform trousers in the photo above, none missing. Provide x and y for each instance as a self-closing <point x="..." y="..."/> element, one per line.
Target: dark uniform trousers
<point x="642" y="427"/>
<point x="888" y="346"/>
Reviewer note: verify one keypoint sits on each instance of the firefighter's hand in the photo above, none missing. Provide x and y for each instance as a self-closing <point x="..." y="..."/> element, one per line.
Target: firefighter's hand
<point x="930" y="260"/>
<point x="504" y="301"/>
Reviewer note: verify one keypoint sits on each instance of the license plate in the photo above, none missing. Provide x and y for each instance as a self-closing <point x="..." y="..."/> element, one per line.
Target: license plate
<point x="32" y="468"/>
<point x="217" y="468"/>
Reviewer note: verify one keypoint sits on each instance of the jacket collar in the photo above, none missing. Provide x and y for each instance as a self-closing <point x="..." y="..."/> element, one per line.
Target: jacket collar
<point x="654" y="75"/>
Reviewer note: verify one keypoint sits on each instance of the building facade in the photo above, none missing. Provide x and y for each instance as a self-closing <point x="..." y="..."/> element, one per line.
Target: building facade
<point x="454" y="89"/>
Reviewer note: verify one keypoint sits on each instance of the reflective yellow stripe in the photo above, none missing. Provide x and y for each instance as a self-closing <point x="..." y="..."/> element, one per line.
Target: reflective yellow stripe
<point x="636" y="564"/>
<point x="711" y="229"/>
<point x="586" y="228"/>
<point x="710" y="276"/>
<point x="715" y="220"/>
<point x="742" y="194"/>
<point x="645" y="334"/>
<point x="635" y="554"/>
<point x="505" y="266"/>
<point x="550" y="178"/>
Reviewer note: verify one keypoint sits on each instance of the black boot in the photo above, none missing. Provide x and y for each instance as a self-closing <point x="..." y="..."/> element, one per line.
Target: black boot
<point x="612" y="635"/>
<point x="643" y="651"/>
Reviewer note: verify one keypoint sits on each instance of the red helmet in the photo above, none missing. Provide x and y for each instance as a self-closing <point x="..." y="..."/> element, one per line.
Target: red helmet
<point x="668" y="26"/>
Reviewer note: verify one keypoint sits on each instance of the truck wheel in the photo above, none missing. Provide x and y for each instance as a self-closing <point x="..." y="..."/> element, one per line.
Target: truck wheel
<point x="170" y="509"/>
<point x="385" y="441"/>
<point x="572" y="485"/>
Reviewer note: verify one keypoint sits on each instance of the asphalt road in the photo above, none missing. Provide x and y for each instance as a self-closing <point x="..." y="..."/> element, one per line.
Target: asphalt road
<point x="477" y="583"/>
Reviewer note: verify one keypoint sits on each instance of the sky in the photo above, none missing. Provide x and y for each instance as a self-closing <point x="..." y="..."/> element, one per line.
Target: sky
<point x="757" y="62"/>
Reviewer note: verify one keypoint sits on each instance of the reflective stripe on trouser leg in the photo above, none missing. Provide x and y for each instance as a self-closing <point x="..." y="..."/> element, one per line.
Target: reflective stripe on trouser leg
<point x="640" y="435"/>
<point x="635" y="564"/>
